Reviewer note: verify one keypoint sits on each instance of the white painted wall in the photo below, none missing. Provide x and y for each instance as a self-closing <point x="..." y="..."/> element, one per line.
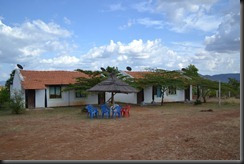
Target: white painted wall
<point x="148" y="95"/>
<point x="130" y="98"/>
<point x="179" y="96"/>
<point x="40" y="98"/>
<point x="68" y="99"/>
<point x="16" y="86"/>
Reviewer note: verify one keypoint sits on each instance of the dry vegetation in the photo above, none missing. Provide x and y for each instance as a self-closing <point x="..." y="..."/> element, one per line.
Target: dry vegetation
<point x="175" y="131"/>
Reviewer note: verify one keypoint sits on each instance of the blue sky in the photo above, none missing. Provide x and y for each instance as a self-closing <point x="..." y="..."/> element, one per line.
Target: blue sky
<point x="89" y="34"/>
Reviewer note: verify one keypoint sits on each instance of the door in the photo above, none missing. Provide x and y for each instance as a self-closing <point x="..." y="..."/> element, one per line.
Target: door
<point x="30" y="98"/>
<point x="187" y="94"/>
<point x="101" y="98"/>
<point x="140" y="96"/>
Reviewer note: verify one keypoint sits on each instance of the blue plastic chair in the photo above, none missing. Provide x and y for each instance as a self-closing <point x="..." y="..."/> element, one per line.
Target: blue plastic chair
<point x="116" y="111"/>
<point x="105" y="110"/>
<point x="92" y="111"/>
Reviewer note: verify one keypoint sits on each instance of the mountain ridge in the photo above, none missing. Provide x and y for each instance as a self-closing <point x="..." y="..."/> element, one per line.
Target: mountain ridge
<point x="223" y="77"/>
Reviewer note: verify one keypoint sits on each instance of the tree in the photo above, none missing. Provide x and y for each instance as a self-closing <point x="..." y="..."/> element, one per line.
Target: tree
<point x="192" y="72"/>
<point x="5" y="92"/>
<point x="9" y="82"/>
<point x="4" y="96"/>
<point x="235" y="86"/>
<point x="95" y="77"/>
<point x="163" y="79"/>
<point x="204" y="86"/>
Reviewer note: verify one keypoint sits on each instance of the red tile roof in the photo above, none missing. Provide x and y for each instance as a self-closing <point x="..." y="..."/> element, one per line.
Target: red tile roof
<point x="137" y="74"/>
<point x="39" y="79"/>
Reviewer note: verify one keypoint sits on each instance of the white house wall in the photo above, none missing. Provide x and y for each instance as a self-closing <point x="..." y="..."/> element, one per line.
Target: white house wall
<point x="16" y="86"/>
<point x="148" y="95"/>
<point x="130" y="98"/>
<point x="68" y="99"/>
<point x="179" y="96"/>
<point x="40" y="98"/>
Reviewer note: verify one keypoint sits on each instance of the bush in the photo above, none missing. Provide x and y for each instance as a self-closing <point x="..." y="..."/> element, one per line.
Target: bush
<point x="16" y="103"/>
<point x="4" y="97"/>
<point x="197" y="102"/>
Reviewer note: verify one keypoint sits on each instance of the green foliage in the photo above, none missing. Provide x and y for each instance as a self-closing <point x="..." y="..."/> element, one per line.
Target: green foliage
<point x="164" y="79"/>
<point x="191" y="71"/>
<point x="4" y="97"/>
<point x="10" y="80"/>
<point x="83" y="84"/>
<point x="198" y="102"/>
<point x="16" y="103"/>
<point x="234" y="86"/>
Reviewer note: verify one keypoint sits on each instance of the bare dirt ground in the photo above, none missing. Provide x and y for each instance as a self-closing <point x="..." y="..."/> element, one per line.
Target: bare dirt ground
<point x="175" y="131"/>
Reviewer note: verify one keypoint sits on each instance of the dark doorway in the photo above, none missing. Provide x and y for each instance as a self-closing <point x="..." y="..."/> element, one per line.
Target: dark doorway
<point x="101" y="98"/>
<point x="187" y="93"/>
<point x="140" y="96"/>
<point x="30" y="98"/>
<point x="45" y="98"/>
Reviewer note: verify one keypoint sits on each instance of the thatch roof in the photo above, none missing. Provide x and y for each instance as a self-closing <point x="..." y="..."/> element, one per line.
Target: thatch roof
<point x="113" y="84"/>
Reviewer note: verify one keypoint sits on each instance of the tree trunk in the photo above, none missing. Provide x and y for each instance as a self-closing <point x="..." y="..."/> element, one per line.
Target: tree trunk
<point x="198" y="92"/>
<point x="112" y="98"/>
<point x="204" y="99"/>
<point x="162" y="100"/>
<point x="204" y="96"/>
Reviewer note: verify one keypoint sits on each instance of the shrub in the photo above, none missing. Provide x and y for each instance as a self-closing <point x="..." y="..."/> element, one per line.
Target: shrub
<point x="16" y="103"/>
<point x="197" y="102"/>
<point x="4" y="97"/>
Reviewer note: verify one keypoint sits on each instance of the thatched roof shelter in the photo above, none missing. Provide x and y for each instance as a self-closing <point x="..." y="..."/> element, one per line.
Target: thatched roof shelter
<point x="113" y="85"/>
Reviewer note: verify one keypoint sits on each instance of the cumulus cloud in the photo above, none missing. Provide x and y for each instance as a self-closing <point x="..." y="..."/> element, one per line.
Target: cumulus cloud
<point x="137" y="53"/>
<point x="181" y="16"/>
<point x="140" y="54"/>
<point x="227" y="37"/>
<point x="217" y="63"/>
<point x="32" y="40"/>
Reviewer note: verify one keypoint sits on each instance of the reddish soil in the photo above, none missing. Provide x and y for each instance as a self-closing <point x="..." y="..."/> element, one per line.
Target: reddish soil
<point x="150" y="133"/>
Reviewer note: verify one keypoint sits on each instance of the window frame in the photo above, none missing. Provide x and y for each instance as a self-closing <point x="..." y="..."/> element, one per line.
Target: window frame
<point x="55" y="89"/>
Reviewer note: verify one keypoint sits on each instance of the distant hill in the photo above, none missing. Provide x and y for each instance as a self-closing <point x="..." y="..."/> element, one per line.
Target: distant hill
<point x="223" y="77"/>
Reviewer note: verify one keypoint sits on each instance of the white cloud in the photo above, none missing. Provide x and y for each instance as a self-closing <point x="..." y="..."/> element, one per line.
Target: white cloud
<point x="158" y="24"/>
<point x="227" y="37"/>
<point x="216" y="63"/>
<point x="62" y="60"/>
<point x="181" y="16"/>
<point x="140" y="54"/>
<point x="137" y="53"/>
<point x="128" y="24"/>
<point x="32" y="39"/>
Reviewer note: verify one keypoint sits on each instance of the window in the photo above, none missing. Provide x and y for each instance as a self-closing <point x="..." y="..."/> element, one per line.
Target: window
<point x="172" y="90"/>
<point x="159" y="92"/>
<point x="78" y="94"/>
<point x="55" y="92"/>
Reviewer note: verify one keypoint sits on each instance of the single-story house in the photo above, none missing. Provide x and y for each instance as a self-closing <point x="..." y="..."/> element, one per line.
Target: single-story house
<point x="41" y="89"/>
<point x="151" y="93"/>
